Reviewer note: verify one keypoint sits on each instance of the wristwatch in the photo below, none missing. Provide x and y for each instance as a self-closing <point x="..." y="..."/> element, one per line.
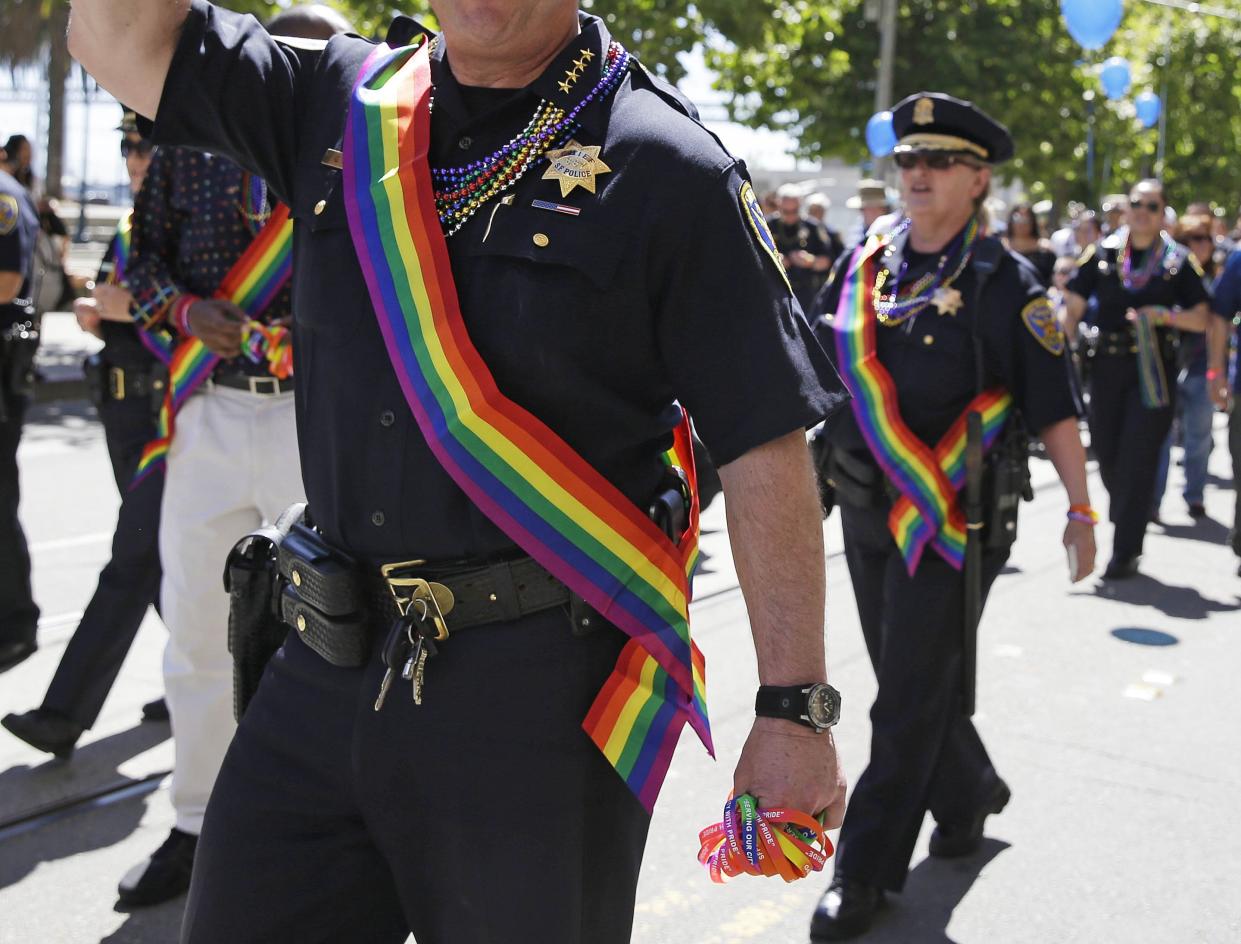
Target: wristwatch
<point x="815" y="704"/>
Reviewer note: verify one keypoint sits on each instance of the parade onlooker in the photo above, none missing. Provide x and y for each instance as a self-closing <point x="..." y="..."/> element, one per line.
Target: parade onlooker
<point x="1024" y="235"/>
<point x="1147" y="289"/>
<point x="803" y="246"/>
<point x="19" y="227"/>
<point x="1115" y="209"/>
<point x="871" y="201"/>
<point x="127" y="382"/>
<point x="1194" y="411"/>
<point x="1062" y="240"/>
<point x="18" y="160"/>
<point x="1225" y="390"/>
<point x="1087" y="232"/>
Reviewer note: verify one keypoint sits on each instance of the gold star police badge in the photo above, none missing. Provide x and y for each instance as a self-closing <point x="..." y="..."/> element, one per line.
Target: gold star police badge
<point x="575" y="165"/>
<point x="947" y="300"/>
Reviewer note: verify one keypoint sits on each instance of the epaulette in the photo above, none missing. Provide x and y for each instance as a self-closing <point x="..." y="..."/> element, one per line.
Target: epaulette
<point x="404" y="30"/>
<point x="1087" y="254"/>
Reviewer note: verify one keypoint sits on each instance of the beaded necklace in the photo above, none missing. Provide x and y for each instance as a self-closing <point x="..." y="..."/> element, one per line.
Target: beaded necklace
<point x="901" y="304"/>
<point x="461" y="191"/>
<point x="1154" y="262"/>
<point x="254" y="205"/>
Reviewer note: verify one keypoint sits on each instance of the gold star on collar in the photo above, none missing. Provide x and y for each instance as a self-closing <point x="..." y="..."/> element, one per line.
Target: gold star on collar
<point x="947" y="300"/>
<point x="575" y="165"/>
<point x="565" y="86"/>
<point x="587" y="55"/>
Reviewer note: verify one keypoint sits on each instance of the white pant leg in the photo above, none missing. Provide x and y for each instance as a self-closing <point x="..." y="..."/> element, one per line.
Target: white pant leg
<point x="208" y="505"/>
<point x="278" y="469"/>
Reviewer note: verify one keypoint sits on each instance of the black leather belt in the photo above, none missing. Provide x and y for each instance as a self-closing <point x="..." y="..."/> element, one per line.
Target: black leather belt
<point x="261" y="385"/>
<point x="129" y="382"/>
<point x="1124" y="343"/>
<point x="336" y="609"/>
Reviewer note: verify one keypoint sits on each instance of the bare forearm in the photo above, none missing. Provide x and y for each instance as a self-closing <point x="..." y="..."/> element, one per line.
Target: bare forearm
<point x="10" y="285"/>
<point x="1217" y="344"/>
<point x="127" y="45"/>
<point x="774" y="525"/>
<point x="1074" y="310"/>
<point x="1064" y="448"/>
<point x="1194" y="319"/>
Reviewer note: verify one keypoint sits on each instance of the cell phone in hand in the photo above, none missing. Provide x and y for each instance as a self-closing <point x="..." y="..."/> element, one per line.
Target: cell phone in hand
<point x="1071" y="550"/>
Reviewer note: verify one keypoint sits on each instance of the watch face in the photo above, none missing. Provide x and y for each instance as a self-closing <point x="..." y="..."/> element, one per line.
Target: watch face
<point x="823" y="706"/>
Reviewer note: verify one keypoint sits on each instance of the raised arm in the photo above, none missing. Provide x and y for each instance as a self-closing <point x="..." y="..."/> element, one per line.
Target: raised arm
<point x="127" y="45"/>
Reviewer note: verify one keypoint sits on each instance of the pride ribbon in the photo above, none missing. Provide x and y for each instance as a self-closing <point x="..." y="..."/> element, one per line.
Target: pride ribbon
<point x="1152" y="380"/>
<point x="514" y="468"/>
<point x="753" y="841"/>
<point x="928" y="511"/>
<point x="253" y="282"/>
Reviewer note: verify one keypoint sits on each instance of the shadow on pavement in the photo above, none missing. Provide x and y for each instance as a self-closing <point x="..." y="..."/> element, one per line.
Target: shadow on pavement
<point x="161" y="924"/>
<point x="920" y="914"/>
<point x="54" y="783"/>
<point x="1179" y="602"/>
<point x="1207" y="530"/>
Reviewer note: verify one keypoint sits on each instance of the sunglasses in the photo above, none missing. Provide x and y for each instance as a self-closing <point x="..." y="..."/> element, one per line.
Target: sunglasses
<point x="1151" y="206"/>
<point x="932" y="160"/>
<point x="1199" y="238"/>
<point x="142" y="148"/>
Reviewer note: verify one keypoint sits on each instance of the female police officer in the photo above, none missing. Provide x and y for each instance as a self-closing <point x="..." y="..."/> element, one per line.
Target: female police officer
<point x="910" y="315"/>
<point x="1147" y="288"/>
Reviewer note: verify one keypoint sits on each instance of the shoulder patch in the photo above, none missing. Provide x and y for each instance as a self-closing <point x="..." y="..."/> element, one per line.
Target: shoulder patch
<point x="1040" y="320"/>
<point x="753" y="211"/>
<point x="10" y="213"/>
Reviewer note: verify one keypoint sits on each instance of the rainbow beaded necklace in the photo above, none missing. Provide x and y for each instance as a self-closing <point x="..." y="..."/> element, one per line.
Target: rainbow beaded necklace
<point x="1159" y="253"/>
<point x="461" y="191"/>
<point x="903" y="303"/>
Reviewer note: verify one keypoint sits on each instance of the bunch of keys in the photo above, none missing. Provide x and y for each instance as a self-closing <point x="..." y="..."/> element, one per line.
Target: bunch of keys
<point x="406" y="649"/>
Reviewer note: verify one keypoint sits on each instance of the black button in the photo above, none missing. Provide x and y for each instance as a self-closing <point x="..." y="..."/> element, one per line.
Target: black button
<point x="377" y="519"/>
<point x="387" y="418"/>
<point x="465" y="143"/>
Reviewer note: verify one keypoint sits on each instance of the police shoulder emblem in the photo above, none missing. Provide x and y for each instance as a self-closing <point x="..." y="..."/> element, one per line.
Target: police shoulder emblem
<point x="10" y="213"/>
<point x="1040" y="320"/>
<point x="924" y="111"/>
<point x="753" y="211"/>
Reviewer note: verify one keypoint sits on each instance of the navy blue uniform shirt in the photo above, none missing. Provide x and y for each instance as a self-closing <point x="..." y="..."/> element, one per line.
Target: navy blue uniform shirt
<point x="1098" y="274"/>
<point x="597" y="328"/>
<point x="19" y="226"/>
<point x="193" y="218"/>
<point x="931" y="357"/>
<point x="1227" y="303"/>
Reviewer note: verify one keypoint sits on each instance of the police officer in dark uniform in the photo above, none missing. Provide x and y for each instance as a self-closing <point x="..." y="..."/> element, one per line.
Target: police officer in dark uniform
<point x="806" y="248"/>
<point x="932" y="321"/>
<point x="595" y="310"/>
<point x="19" y="337"/>
<point x="127" y="383"/>
<point x="1225" y="391"/>
<point x="1147" y="288"/>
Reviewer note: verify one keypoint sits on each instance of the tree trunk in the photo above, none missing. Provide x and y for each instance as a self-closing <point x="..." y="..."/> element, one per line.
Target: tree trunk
<point x="57" y="75"/>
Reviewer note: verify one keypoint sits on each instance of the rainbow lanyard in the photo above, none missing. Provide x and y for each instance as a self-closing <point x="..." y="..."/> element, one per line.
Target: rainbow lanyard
<point x="518" y="472"/>
<point x="252" y="284"/>
<point x="157" y="341"/>
<point x="928" y="511"/>
<point x="1152" y="378"/>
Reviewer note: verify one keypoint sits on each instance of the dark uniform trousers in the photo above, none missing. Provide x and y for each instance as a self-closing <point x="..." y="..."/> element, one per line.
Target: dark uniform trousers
<point x="128" y="583"/>
<point x="19" y="617"/>
<point x="1127" y="438"/>
<point x="331" y="822"/>
<point x="925" y="755"/>
<point x="1234" y="447"/>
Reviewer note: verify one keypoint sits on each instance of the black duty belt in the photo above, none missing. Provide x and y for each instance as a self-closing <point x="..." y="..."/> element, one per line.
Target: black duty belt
<point x="132" y="382"/>
<point x="337" y="608"/>
<point x="1124" y="343"/>
<point x="261" y="385"/>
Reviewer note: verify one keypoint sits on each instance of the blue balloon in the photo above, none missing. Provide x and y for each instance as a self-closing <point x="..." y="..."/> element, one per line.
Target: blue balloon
<point x="1148" y="106"/>
<point x="880" y="135"/>
<point x="1092" y="22"/>
<point x="1115" y="78"/>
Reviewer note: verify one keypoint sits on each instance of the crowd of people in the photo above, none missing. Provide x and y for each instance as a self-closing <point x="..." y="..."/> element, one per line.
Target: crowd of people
<point x="388" y="494"/>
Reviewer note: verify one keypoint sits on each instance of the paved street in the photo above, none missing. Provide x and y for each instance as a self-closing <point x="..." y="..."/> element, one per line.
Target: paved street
<point x="1112" y="712"/>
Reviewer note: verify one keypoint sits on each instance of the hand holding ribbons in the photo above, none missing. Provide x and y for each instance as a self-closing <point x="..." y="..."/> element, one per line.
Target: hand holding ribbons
<point x="271" y="343"/>
<point x="753" y="841"/>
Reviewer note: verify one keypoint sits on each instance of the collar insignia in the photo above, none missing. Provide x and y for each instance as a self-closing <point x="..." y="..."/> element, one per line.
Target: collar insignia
<point x="575" y="165"/>
<point x="924" y="111"/>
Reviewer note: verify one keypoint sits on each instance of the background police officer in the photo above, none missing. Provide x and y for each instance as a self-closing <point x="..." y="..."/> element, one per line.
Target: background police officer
<point x="905" y="319"/>
<point x="19" y="224"/>
<point x="804" y="244"/>
<point x="1142" y="282"/>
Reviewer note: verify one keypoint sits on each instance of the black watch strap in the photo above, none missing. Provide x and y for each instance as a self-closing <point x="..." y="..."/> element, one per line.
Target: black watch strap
<point x="813" y="704"/>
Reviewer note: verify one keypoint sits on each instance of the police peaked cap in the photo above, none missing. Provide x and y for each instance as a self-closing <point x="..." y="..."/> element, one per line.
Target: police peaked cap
<point x="933" y="121"/>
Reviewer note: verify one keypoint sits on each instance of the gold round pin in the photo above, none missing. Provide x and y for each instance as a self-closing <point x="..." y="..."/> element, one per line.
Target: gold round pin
<point x="301" y="622"/>
<point x="297" y="578"/>
<point x="320" y="207"/>
<point x="928" y="339"/>
<point x="540" y="239"/>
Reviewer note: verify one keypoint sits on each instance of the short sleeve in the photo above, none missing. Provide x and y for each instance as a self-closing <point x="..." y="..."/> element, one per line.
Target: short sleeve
<point x="1027" y="349"/>
<point x="1187" y="286"/>
<point x="1227" y="300"/>
<point x="233" y="90"/>
<point x="741" y="355"/>
<point x="1086" y="278"/>
<point x="12" y="251"/>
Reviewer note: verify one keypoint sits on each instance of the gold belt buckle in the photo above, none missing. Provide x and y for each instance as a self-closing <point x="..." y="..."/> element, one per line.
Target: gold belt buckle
<point x="433" y="600"/>
<point x="116" y="383"/>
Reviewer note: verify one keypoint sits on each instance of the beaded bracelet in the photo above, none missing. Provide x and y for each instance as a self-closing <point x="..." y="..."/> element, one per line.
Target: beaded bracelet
<point x="1161" y="315"/>
<point x="1083" y="513"/>
<point x="1213" y="373"/>
<point x="179" y="316"/>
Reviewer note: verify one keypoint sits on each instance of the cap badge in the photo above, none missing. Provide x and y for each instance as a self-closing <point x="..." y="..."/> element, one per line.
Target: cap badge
<point x="575" y="165"/>
<point x="924" y="111"/>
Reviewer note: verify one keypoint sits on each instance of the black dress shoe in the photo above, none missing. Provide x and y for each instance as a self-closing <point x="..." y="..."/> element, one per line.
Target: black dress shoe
<point x="155" y="710"/>
<point x="162" y="877"/>
<point x="1197" y="510"/>
<point x="1121" y="568"/>
<point x="45" y="729"/>
<point x="15" y="652"/>
<point x="952" y="842"/>
<point x="846" y="910"/>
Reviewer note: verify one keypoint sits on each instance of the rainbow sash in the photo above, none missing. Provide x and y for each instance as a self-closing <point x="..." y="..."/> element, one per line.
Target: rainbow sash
<point x="253" y="282"/>
<point x="928" y="511"/>
<point x="1152" y="379"/>
<point x="520" y="473"/>
<point x="157" y="341"/>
